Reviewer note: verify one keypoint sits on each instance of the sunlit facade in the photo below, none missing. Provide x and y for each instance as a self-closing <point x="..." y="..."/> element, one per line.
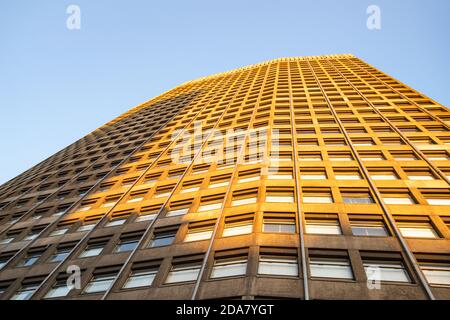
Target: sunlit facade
<point x="297" y="178"/>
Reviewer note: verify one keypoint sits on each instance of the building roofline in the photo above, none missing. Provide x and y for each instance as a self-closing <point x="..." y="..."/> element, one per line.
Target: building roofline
<point x="282" y="59"/>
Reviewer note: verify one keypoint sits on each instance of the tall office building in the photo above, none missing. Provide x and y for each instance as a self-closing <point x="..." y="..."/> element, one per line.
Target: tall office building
<point x="305" y="178"/>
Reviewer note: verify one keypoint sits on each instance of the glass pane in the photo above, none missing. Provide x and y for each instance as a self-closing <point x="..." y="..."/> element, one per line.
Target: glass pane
<point x="235" y="230"/>
<point x="331" y="269"/>
<point x="386" y="272"/>
<point x="323" y="228"/>
<point x="229" y="269"/>
<point x="140" y="279"/>
<point x="197" y="236"/>
<point x="278" y="267"/>
<point x="183" y="274"/>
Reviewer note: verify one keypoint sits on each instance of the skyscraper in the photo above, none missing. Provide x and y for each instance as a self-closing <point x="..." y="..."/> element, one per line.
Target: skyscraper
<point x="306" y="178"/>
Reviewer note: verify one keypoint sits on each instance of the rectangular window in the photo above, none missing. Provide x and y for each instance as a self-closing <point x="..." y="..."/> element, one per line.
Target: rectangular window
<point x="183" y="273"/>
<point x="100" y="283"/>
<point x="417" y="230"/>
<point x="273" y="224"/>
<point x="238" y="225"/>
<point x="243" y="197"/>
<point x="59" y="289"/>
<point x="419" y="174"/>
<point x="210" y="205"/>
<point x="368" y="228"/>
<point x="280" y="174"/>
<point x="280" y="196"/>
<point x="346" y="174"/>
<point x="356" y="197"/>
<point x="25" y="291"/>
<point x="60" y="254"/>
<point x="385" y="271"/>
<point x="309" y="156"/>
<point x="127" y="244"/>
<point x="30" y="259"/>
<point x="163" y="238"/>
<point x="322" y="226"/>
<point x="141" y="278"/>
<point x="340" y="156"/>
<point x="317" y="196"/>
<point x="116" y="221"/>
<point x="338" y="268"/>
<point x="313" y="174"/>
<point x="278" y="265"/>
<point x="436" y="273"/>
<point x="199" y="231"/>
<point x="93" y="250"/>
<point x="383" y="174"/>
<point x="400" y="197"/>
<point x="229" y="267"/>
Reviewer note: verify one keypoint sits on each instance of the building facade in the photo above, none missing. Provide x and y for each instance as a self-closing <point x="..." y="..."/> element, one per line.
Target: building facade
<point x="297" y="178"/>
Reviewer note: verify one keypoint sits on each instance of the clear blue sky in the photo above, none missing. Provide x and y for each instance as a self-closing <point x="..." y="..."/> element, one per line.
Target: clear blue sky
<point x="57" y="85"/>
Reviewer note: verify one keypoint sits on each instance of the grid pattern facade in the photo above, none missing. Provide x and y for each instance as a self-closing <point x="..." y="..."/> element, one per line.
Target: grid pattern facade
<point x="334" y="185"/>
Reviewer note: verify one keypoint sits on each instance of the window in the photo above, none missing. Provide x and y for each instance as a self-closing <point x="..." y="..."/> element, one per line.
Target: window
<point x="310" y="156"/>
<point x="356" y="196"/>
<point x="60" y="254"/>
<point x="274" y="224"/>
<point x="339" y="268"/>
<point x="178" y="210"/>
<point x="146" y="217"/>
<point x="127" y="244"/>
<point x="183" y="272"/>
<point x="322" y="226"/>
<point x="436" y="273"/>
<point x="419" y="174"/>
<point x="417" y="230"/>
<point x="238" y="225"/>
<point x="163" y="238"/>
<point x="59" y="231"/>
<point x="278" y="265"/>
<point x="30" y="259"/>
<point x="368" y="228"/>
<point x="249" y="176"/>
<point x="86" y="227"/>
<point x="340" y="156"/>
<point x="100" y="283"/>
<point x="219" y="181"/>
<point x="210" y="204"/>
<point x="191" y="186"/>
<point x="110" y="202"/>
<point x="436" y="198"/>
<point x="400" y="197"/>
<point x="59" y="289"/>
<point x="280" y="195"/>
<point x="243" y="197"/>
<point x="229" y="267"/>
<point x="385" y="271"/>
<point x="280" y="174"/>
<point x="141" y="278"/>
<point x="137" y="196"/>
<point x="116" y="221"/>
<point x="371" y="156"/>
<point x="317" y="196"/>
<point x="33" y="234"/>
<point x="313" y="174"/>
<point x="404" y="155"/>
<point x="92" y="250"/>
<point x="347" y="174"/>
<point x="10" y="236"/>
<point x="199" y="231"/>
<point x="383" y="174"/>
<point x="4" y="260"/>
<point x="25" y="291"/>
